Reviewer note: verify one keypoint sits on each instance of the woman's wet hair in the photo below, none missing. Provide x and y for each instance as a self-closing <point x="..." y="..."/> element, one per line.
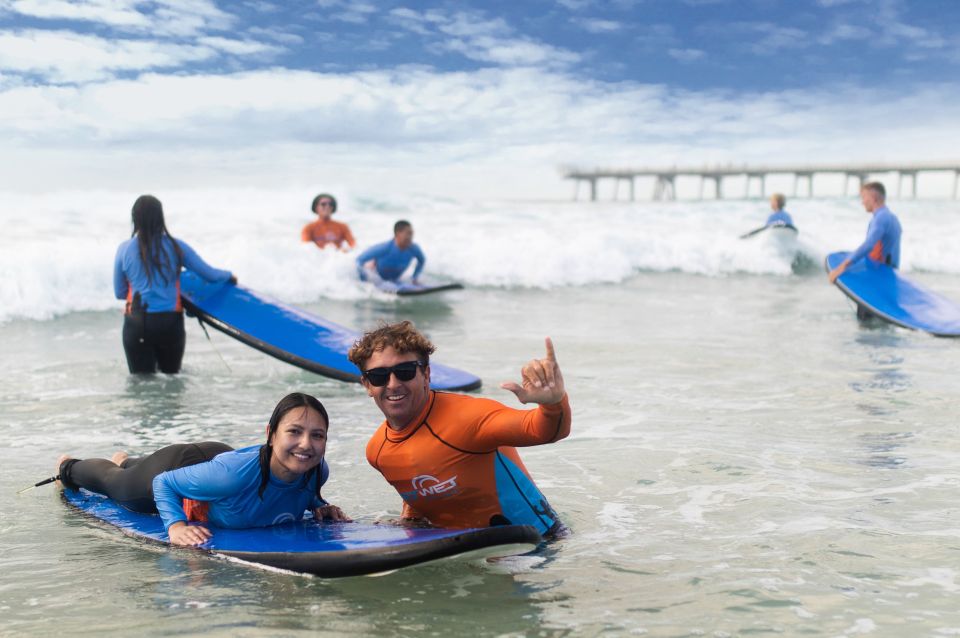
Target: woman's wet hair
<point x="150" y="229"/>
<point x="290" y="402"/>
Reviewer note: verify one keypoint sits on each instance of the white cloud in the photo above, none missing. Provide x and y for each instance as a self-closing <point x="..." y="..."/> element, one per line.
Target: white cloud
<point x="158" y="17"/>
<point x="64" y="56"/>
<point x="239" y="47"/>
<point x="513" y="124"/>
<point x="68" y="57"/>
<point x="478" y="38"/>
<point x="686" y="55"/>
<point x="597" y="25"/>
<point x="117" y="13"/>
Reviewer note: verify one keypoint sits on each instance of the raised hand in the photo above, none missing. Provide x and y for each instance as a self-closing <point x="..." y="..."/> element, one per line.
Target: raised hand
<point x="541" y="380"/>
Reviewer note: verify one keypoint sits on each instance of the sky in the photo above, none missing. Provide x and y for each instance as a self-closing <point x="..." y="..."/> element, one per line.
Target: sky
<point x="487" y="98"/>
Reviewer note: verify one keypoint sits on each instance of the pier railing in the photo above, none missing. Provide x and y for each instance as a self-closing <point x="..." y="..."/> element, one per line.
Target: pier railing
<point x="664" y="178"/>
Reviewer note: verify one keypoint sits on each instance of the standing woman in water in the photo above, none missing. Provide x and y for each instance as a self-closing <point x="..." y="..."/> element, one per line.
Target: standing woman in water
<point x="147" y="274"/>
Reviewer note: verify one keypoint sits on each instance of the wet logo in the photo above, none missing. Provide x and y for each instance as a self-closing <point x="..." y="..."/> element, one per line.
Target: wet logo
<point x="430" y="487"/>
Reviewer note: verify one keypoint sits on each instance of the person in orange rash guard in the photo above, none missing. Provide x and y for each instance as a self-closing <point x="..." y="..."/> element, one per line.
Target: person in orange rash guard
<point x="326" y="231"/>
<point x="451" y="457"/>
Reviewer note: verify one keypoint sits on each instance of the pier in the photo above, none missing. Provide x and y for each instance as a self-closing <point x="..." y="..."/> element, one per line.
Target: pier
<point x="664" y="178"/>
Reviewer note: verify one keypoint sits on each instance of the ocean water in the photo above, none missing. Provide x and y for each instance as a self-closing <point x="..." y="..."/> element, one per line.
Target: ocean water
<point x="745" y="458"/>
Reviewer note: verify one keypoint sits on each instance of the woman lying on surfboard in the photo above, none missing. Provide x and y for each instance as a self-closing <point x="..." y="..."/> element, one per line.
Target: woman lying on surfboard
<point x="255" y="486"/>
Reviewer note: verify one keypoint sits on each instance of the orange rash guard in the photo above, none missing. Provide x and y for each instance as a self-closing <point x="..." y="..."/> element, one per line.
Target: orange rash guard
<point x="456" y="465"/>
<point x="323" y="232"/>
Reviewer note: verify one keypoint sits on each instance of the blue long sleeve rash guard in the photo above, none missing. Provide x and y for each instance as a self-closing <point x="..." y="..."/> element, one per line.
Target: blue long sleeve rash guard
<point x="780" y="217"/>
<point x="884" y="229"/>
<point x="229" y="483"/>
<point x="392" y="261"/>
<point x="162" y="294"/>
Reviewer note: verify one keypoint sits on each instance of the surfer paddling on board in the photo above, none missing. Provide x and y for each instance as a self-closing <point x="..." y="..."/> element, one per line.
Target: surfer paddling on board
<point x="325" y="231"/>
<point x="883" y="236"/>
<point x="146" y="273"/>
<point x="391" y="258"/>
<point x="779" y="217"/>
<point x="256" y="486"/>
<point x="451" y="457"/>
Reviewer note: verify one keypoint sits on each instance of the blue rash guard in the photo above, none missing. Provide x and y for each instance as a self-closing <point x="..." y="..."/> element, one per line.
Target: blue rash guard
<point x="229" y="483"/>
<point x="162" y="294"/>
<point x="780" y="218"/>
<point x="391" y="261"/>
<point x="883" y="239"/>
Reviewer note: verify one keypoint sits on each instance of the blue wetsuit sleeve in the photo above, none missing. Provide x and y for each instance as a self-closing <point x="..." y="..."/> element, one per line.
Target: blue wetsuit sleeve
<point x="874" y="233"/>
<point x="202" y="482"/>
<point x="192" y="261"/>
<point x="120" y="283"/>
<point x="421" y="260"/>
<point x="374" y="252"/>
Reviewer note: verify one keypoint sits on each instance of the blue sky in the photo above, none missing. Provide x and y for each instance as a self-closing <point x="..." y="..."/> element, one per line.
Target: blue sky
<point x="438" y="93"/>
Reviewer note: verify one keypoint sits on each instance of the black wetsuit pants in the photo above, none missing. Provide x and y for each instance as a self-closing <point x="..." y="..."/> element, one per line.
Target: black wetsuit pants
<point x="152" y="340"/>
<point x="131" y="484"/>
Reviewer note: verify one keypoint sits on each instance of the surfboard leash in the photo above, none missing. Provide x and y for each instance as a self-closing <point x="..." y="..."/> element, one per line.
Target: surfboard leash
<point x="204" y="328"/>
<point x="43" y="482"/>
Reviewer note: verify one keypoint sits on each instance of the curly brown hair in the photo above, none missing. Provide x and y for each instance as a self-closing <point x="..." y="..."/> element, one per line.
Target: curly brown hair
<point x="402" y="337"/>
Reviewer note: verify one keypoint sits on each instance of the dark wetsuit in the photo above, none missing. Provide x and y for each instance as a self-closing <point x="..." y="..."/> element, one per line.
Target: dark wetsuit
<point x="131" y="484"/>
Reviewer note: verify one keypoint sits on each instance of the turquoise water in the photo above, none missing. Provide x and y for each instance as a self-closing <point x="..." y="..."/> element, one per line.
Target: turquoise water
<point x="745" y="459"/>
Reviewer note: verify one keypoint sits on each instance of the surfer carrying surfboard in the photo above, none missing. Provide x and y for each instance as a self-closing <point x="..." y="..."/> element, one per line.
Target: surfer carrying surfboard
<point x="391" y="258"/>
<point x="255" y="486"/>
<point x="146" y="273"/>
<point x="325" y="231"/>
<point x="452" y="457"/>
<point x="883" y="234"/>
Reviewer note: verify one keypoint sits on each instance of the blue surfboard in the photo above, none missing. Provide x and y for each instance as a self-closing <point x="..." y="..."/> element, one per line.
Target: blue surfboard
<point x="290" y="334"/>
<point x="886" y="293"/>
<point x="325" y="549"/>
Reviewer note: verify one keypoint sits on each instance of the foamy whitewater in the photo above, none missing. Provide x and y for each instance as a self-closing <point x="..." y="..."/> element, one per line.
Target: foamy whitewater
<point x="745" y="458"/>
<point x="58" y="250"/>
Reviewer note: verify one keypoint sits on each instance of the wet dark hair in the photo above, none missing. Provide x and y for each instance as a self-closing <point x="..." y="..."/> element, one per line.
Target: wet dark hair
<point x="401" y="225"/>
<point x="150" y="229"/>
<point x="316" y="200"/>
<point x="292" y="401"/>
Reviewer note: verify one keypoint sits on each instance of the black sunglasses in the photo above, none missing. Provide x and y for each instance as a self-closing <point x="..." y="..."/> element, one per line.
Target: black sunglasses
<point x="404" y="372"/>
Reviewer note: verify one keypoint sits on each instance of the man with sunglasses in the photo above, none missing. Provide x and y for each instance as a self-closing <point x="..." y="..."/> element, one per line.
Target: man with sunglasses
<point x="325" y="231"/>
<point x="452" y="457"/>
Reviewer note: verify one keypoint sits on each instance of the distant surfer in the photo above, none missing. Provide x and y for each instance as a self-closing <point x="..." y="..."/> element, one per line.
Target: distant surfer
<point x="779" y="217"/>
<point x="391" y="258"/>
<point x="452" y="457"/>
<point x="147" y="274"/>
<point x="883" y="236"/>
<point x="325" y="231"/>
<point x="256" y="486"/>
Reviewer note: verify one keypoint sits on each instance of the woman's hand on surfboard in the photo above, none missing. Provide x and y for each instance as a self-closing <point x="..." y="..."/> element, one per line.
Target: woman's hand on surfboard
<point x="331" y="513"/>
<point x="541" y="380"/>
<point x="189" y="535"/>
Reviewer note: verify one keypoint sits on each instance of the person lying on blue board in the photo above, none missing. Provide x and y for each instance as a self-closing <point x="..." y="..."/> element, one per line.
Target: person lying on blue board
<point x="391" y="258"/>
<point x="779" y="217"/>
<point x="256" y="486"/>
<point x="883" y="234"/>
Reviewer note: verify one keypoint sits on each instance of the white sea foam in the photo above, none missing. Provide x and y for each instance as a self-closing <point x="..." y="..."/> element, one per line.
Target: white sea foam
<point x="58" y="248"/>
